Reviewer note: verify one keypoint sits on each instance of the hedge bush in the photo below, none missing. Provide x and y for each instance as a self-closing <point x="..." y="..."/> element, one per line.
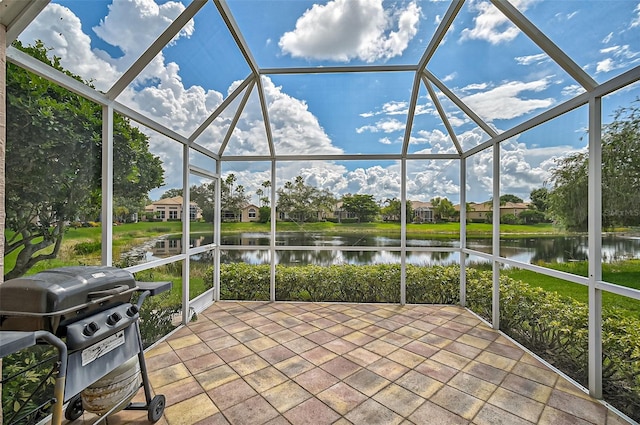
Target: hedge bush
<point x="553" y="326"/>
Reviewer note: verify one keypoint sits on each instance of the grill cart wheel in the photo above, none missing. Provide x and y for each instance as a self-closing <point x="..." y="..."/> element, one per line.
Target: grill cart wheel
<point x="74" y="410"/>
<point x="156" y="408"/>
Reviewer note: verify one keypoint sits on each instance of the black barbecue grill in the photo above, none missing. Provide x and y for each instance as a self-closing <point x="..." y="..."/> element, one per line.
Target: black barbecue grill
<point x="89" y="308"/>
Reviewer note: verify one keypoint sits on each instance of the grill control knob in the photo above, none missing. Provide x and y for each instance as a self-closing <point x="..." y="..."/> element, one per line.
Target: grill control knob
<point x="90" y="328"/>
<point x="132" y="311"/>
<point x="113" y="318"/>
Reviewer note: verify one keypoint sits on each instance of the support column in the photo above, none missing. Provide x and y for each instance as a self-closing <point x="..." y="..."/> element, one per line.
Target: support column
<point x="272" y="242"/>
<point x="403" y="231"/>
<point x="107" y="186"/>
<point x="186" y="230"/>
<point x="496" y="237"/>
<point x="595" y="247"/>
<point x="216" y="232"/>
<point x="463" y="231"/>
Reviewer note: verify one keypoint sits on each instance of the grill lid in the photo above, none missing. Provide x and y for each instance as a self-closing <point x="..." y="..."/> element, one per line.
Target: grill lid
<point x="65" y="291"/>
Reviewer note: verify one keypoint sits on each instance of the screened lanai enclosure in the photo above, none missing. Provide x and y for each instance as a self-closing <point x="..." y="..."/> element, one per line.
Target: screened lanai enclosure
<point x="214" y="142"/>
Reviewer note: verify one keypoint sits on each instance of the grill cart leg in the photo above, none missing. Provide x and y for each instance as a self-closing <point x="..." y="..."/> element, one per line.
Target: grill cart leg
<point x="154" y="405"/>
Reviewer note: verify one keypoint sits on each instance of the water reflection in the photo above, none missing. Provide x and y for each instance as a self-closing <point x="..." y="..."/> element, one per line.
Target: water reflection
<point x="530" y="250"/>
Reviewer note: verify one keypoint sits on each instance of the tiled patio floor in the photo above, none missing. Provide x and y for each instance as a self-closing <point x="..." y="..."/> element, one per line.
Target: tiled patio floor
<point x="252" y="363"/>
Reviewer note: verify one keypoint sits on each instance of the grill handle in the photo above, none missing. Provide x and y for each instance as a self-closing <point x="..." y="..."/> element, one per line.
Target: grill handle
<point x="107" y="292"/>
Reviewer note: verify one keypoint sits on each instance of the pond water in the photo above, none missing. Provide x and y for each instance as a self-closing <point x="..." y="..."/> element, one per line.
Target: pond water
<point x="529" y="250"/>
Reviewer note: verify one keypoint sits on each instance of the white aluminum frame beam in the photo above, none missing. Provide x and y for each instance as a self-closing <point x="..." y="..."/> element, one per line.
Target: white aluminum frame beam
<point x="460" y="104"/>
<point x="225" y="103"/>
<point x="156" y="47"/>
<point x="265" y="116"/>
<point x="495" y="309"/>
<point x="16" y="15"/>
<point x="236" y="117"/>
<point x="616" y="83"/>
<point x="545" y="43"/>
<point x="441" y="31"/>
<point x="107" y="186"/>
<point x="234" y="30"/>
<point x="354" y="157"/>
<point x="411" y="114"/>
<point x="32" y="64"/>
<point x="595" y="246"/>
<point x="338" y="69"/>
<point x="463" y="231"/>
<point x="443" y="114"/>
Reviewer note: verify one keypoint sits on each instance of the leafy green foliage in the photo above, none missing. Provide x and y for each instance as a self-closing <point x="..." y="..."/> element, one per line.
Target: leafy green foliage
<point x="53" y="163"/>
<point x="443" y="209"/>
<point x="392" y="210"/>
<point x="364" y="207"/>
<point x="302" y="202"/>
<point x="509" y="198"/>
<point x="232" y="197"/>
<point x="620" y="177"/>
<point x="540" y="199"/>
<point x="532" y="217"/>
<point x="31" y="385"/>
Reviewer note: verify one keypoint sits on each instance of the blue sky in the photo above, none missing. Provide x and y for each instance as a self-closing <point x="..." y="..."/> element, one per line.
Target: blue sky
<point x="489" y="64"/>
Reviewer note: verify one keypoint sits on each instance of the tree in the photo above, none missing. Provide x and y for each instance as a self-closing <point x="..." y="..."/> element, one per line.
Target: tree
<point x="232" y="197"/>
<point x="204" y="197"/>
<point x="620" y="177"/>
<point x="302" y="202"/>
<point x="53" y="163"/>
<point x="510" y="198"/>
<point x="171" y="193"/>
<point x="392" y="210"/>
<point x="443" y="209"/>
<point x="364" y="207"/>
<point x="540" y="199"/>
<point x="264" y="197"/>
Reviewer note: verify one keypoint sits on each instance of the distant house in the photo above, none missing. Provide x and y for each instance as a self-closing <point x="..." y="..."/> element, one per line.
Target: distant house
<point x="249" y="212"/>
<point x="422" y="212"/>
<point x="171" y="209"/>
<point x="483" y="211"/>
<point x="340" y="213"/>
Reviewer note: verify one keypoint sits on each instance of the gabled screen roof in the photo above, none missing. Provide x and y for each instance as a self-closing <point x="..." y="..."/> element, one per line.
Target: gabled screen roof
<point x="335" y="79"/>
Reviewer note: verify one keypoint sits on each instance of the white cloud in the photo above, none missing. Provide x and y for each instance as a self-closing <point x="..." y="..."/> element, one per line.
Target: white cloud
<point x="385" y="126"/>
<point x="121" y="27"/>
<point x="636" y="20"/>
<point x="506" y="102"/>
<point x="395" y="107"/>
<point x="473" y="87"/>
<point x="605" y="65"/>
<point x="608" y="38"/>
<point x="572" y="90"/>
<point x="620" y="56"/>
<point x="491" y="25"/>
<point x="160" y="93"/>
<point x="342" y="30"/>
<point x="449" y="77"/>
<point x="61" y="31"/>
<point x="531" y="59"/>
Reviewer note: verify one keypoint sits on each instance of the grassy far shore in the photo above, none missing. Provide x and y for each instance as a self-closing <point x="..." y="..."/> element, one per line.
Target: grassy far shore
<point x="430" y="229"/>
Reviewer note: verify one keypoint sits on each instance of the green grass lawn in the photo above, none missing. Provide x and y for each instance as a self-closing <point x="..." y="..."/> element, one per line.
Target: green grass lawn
<point x="624" y="273"/>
